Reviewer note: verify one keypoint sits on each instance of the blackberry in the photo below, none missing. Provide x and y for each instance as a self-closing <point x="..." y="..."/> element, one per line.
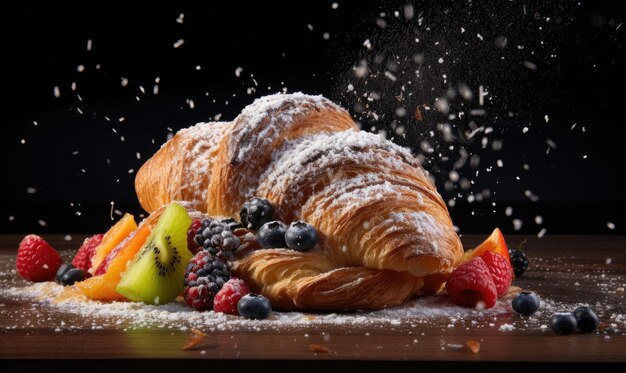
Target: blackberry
<point x="204" y="277"/>
<point x="232" y="223"/>
<point x="519" y="260"/>
<point x="197" y="238"/>
<point x="218" y="239"/>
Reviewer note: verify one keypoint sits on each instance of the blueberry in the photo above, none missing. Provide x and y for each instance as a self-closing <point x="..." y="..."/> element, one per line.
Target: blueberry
<point x="563" y="323"/>
<point x="253" y="306"/>
<point x="61" y="271"/>
<point x="586" y="319"/>
<point x="526" y="303"/>
<point x="255" y="213"/>
<point x="272" y="235"/>
<point x="71" y="276"/>
<point x="301" y="236"/>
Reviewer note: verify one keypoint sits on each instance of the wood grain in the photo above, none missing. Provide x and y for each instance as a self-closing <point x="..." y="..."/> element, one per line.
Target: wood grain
<point x="568" y="269"/>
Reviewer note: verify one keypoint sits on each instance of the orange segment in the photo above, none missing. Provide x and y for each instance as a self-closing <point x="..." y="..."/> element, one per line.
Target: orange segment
<point x="97" y="288"/>
<point x="112" y="238"/>
<point x="102" y="287"/>
<point x="494" y="243"/>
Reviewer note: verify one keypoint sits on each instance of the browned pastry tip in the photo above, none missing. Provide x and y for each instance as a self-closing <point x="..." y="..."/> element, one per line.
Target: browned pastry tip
<point x="181" y="168"/>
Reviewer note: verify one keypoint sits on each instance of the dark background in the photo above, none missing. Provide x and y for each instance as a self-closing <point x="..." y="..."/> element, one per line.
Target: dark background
<point x="78" y="163"/>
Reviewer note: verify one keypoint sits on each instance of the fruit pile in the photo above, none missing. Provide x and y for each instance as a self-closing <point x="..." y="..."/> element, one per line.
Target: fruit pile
<point x="207" y="280"/>
<point x="484" y="275"/>
<point x="156" y="262"/>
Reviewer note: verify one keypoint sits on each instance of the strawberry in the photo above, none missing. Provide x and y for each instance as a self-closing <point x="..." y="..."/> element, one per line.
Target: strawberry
<point x="36" y="259"/>
<point x="82" y="259"/>
<point x="501" y="271"/>
<point x="227" y="298"/>
<point x="472" y="282"/>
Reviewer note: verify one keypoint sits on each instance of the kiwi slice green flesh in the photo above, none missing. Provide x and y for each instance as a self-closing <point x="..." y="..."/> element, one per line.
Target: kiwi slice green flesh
<point x="155" y="275"/>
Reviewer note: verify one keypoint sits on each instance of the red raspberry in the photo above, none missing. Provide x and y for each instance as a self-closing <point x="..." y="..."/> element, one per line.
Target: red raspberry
<point x="470" y="283"/>
<point x="191" y="233"/>
<point x="227" y="298"/>
<point x="82" y="259"/>
<point x="36" y="259"/>
<point x="501" y="271"/>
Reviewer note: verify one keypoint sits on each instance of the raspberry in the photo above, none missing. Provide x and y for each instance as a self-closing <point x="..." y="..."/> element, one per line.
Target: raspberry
<point x="82" y="259"/>
<point x="500" y="269"/>
<point x="204" y="277"/>
<point x="226" y="299"/>
<point x="191" y="233"/>
<point x="36" y="259"/>
<point x="472" y="282"/>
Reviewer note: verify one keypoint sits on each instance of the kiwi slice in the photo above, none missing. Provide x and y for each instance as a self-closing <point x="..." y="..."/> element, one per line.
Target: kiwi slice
<point x="155" y="275"/>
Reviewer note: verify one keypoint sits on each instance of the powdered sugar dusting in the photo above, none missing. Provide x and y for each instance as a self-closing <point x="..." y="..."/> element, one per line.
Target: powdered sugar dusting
<point x="200" y="154"/>
<point x="373" y="188"/>
<point x="297" y="162"/>
<point x="209" y="132"/>
<point x="423" y="222"/>
<point x="347" y="193"/>
<point x="423" y="313"/>
<point x="26" y="306"/>
<point x="177" y="315"/>
<point x="259" y="112"/>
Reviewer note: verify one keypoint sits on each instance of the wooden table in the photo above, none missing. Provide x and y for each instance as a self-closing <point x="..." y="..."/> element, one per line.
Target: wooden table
<point x="568" y="269"/>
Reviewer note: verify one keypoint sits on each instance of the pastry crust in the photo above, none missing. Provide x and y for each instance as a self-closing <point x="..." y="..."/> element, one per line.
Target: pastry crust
<point x="385" y="233"/>
<point x="182" y="168"/>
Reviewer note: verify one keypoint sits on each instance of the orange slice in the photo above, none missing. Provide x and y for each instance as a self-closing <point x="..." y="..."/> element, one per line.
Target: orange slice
<point x="111" y="239"/>
<point x="495" y="242"/>
<point x="102" y="287"/>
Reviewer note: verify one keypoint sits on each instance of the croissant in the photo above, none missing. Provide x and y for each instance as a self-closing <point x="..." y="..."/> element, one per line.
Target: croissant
<point x="385" y="234"/>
